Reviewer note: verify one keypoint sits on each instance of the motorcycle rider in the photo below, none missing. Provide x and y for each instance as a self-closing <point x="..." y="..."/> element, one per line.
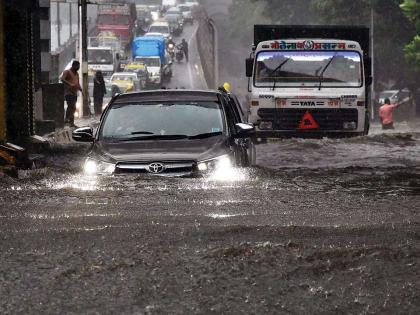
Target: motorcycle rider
<point x="169" y="42"/>
<point x="170" y="47"/>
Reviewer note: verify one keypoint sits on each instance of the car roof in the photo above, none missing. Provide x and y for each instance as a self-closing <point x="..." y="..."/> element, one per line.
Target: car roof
<point x="162" y="23"/>
<point x="124" y="73"/>
<point x="168" y="95"/>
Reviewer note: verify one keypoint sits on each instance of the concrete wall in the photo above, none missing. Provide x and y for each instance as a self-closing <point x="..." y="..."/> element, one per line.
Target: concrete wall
<point x="206" y="44"/>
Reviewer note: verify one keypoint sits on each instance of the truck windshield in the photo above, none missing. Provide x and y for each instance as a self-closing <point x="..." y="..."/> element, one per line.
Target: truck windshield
<point x="109" y="19"/>
<point x="149" y="62"/>
<point x="128" y="121"/>
<point x="101" y="57"/>
<point x="307" y="68"/>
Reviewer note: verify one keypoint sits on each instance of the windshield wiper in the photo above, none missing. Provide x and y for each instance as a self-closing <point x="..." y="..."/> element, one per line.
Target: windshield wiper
<point x="277" y="69"/>
<point x="157" y="137"/>
<point x="206" y="135"/>
<point x="321" y="75"/>
<point x="142" y="133"/>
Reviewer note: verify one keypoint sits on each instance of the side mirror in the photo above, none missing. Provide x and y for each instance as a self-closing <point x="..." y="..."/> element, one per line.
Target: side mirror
<point x="244" y="130"/>
<point x="84" y="134"/>
<point x="249" y="67"/>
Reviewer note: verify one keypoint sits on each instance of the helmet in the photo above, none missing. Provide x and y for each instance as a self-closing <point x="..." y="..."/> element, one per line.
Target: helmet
<point x="226" y="86"/>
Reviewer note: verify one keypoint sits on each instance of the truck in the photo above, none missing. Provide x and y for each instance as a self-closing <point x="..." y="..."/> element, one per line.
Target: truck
<point x="117" y="18"/>
<point x="151" y="51"/>
<point x="309" y="81"/>
<point x="103" y="58"/>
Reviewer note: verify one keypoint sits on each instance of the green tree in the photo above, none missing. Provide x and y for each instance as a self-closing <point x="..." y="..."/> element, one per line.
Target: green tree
<point x="411" y="9"/>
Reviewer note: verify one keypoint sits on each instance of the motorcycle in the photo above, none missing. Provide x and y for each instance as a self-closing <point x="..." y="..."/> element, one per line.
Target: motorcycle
<point x="179" y="55"/>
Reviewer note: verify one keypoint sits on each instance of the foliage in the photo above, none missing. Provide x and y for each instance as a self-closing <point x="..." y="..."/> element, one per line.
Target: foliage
<point x="411" y="9"/>
<point x="412" y="51"/>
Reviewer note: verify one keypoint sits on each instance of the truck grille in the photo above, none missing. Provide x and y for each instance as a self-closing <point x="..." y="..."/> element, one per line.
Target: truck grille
<point x="327" y="119"/>
<point x="156" y="168"/>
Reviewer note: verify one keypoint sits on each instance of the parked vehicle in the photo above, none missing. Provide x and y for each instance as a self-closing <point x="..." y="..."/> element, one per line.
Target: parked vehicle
<point x="395" y="96"/>
<point x="170" y="132"/>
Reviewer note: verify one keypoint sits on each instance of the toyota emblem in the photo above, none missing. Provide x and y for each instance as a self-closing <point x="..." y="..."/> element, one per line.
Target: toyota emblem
<point x="156" y="168"/>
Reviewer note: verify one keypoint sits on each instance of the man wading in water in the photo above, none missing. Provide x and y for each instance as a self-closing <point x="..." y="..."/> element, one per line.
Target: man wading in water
<point x="386" y="112"/>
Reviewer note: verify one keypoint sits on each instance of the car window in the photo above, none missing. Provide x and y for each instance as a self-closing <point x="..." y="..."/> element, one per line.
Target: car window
<point x="167" y="118"/>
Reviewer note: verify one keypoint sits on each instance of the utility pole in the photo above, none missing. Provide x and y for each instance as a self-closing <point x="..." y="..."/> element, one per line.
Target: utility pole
<point x="84" y="62"/>
<point x="372" y="36"/>
<point x="2" y="78"/>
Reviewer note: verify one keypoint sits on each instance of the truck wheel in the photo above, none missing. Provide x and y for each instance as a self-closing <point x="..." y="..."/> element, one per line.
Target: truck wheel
<point x="252" y="154"/>
<point x="367" y="125"/>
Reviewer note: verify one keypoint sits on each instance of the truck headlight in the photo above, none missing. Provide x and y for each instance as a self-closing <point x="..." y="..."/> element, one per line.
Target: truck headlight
<point x="94" y="167"/>
<point x="349" y="125"/>
<point x="219" y="163"/>
<point x="266" y="125"/>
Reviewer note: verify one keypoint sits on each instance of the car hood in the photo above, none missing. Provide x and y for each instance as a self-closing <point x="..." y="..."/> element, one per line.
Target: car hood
<point x="161" y="150"/>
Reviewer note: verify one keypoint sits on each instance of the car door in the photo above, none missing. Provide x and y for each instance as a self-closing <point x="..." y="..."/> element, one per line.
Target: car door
<point x="241" y="145"/>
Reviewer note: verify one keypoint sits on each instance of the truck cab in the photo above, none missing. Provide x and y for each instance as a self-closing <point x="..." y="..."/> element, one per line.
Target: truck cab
<point x="104" y="59"/>
<point x="151" y="51"/>
<point x="303" y="85"/>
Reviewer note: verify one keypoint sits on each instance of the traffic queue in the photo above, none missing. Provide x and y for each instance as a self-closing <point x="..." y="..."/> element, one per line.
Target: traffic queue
<point x="134" y="47"/>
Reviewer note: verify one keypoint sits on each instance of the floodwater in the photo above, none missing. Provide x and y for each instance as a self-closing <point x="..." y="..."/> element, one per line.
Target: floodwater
<point x="318" y="225"/>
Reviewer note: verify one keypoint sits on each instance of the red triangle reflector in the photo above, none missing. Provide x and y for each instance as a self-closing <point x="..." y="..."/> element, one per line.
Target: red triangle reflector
<point x="308" y="122"/>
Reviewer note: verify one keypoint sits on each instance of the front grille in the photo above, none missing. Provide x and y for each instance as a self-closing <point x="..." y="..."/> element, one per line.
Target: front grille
<point x="170" y="167"/>
<point x="290" y="118"/>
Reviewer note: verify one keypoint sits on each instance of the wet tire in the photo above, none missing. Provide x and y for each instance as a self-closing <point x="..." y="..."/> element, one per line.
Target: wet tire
<point x="367" y="125"/>
<point x="252" y="155"/>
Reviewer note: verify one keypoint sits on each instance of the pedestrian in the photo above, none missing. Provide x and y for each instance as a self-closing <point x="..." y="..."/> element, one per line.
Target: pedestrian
<point x="184" y="48"/>
<point x="70" y="78"/>
<point x="99" y="91"/>
<point x="386" y="112"/>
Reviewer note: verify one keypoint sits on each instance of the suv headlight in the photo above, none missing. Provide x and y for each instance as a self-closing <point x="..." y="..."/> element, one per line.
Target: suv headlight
<point x="221" y="162"/>
<point x="94" y="167"/>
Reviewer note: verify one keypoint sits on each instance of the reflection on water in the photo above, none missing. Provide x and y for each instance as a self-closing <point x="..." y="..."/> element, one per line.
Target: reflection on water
<point x="77" y="182"/>
<point x="382" y="163"/>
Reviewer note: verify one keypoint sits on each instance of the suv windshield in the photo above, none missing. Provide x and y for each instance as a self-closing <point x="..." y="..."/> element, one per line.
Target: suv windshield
<point x="307" y="68"/>
<point x="189" y="119"/>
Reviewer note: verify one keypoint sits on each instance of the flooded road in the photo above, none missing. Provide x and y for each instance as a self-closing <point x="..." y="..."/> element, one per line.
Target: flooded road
<point x="318" y="226"/>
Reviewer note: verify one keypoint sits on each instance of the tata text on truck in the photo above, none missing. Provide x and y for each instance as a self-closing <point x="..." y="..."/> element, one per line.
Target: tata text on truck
<point x="309" y="81"/>
<point x="151" y="51"/>
<point x="117" y="18"/>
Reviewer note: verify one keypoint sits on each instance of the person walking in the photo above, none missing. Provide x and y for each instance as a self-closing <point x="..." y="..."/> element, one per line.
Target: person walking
<point x="70" y="78"/>
<point x="184" y="48"/>
<point x="99" y="91"/>
<point x="386" y="112"/>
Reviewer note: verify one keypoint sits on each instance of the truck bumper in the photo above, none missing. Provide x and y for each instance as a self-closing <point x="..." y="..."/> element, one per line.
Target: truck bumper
<point x="266" y="134"/>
